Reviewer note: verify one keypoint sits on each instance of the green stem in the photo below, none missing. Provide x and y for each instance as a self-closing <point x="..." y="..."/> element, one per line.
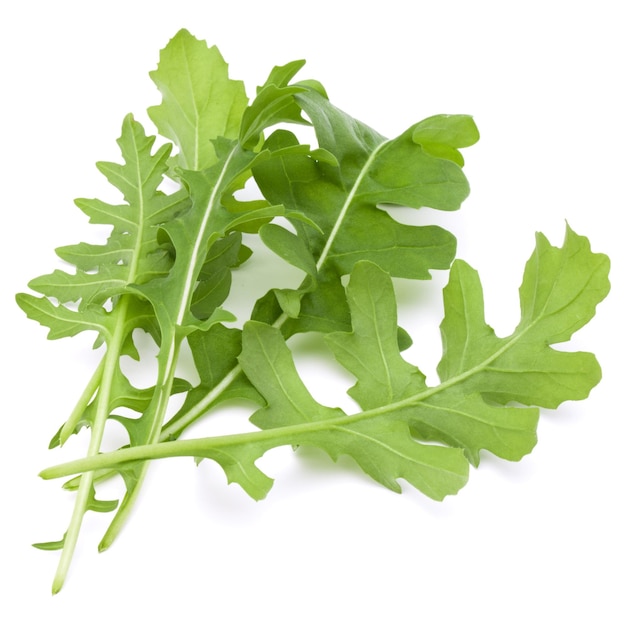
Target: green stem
<point x="156" y="413"/>
<point x="109" y="366"/>
<point x="83" y="402"/>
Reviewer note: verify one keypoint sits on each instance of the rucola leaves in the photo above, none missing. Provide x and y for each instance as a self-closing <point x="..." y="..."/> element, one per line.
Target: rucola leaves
<point x="166" y="265"/>
<point x="166" y="269"/>
<point x="425" y="435"/>
<point x="205" y="237"/>
<point x="340" y="198"/>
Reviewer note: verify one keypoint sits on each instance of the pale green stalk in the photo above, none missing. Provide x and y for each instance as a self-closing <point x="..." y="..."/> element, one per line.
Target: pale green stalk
<point x="108" y="366"/>
<point x="83" y="402"/>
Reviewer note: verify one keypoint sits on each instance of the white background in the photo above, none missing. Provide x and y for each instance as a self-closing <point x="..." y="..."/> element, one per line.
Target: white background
<point x="541" y="541"/>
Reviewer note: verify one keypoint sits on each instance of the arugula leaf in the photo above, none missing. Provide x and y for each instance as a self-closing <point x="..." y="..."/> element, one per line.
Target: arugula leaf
<point x="189" y="76"/>
<point x="132" y="255"/>
<point x="481" y="374"/>
<point x="343" y="199"/>
<point x="382" y="446"/>
<point x="426" y="435"/>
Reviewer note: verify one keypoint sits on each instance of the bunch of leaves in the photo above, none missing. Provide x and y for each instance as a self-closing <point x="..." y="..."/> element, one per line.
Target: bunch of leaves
<point x="487" y="398"/>
<point x="328" y="211"/>
<point x="166" y="266"/>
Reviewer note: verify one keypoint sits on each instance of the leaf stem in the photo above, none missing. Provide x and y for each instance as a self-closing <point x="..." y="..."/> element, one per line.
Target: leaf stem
<point x="109" y="365"/>
<point x="79" y="409"/>
<point x="346" y="205"/>
<point x="155" y="414"/>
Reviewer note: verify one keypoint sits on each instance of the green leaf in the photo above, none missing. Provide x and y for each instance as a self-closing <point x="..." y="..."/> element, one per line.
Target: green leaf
<point x="382" y="447"/>
<point x="214" y="279"/>
<point x="370" y="351"/>
<point x="189" y="76"/>
<point x="132" y="253"/>
<point x="441" y="135"/>
<point x="456" y="416"/>
<point x="50" y="545"/>
<point x="343" y="199"/>
<point x="559" y="294"/>
<point x="98" y="295"/>
<point x="181" y="294"/>
<point x="61" y="320"/>
<point x="480" y="372"/>
<point x="339" y="197"/>
<point x="274" y="103"/>
<point x="289" y="247"/>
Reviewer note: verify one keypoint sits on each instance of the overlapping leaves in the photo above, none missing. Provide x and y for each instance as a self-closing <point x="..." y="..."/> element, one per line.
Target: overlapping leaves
<point x="204" y="238"/>
<point x="339" y="188"/>
<point x="424" y="435"/>
<point x="344" y="198"/>
<point x="167" y="265"/>
<point x="100" y="288"/>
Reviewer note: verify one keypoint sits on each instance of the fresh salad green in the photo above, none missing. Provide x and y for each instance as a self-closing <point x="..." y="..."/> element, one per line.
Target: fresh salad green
<point x="327" y="210"/>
